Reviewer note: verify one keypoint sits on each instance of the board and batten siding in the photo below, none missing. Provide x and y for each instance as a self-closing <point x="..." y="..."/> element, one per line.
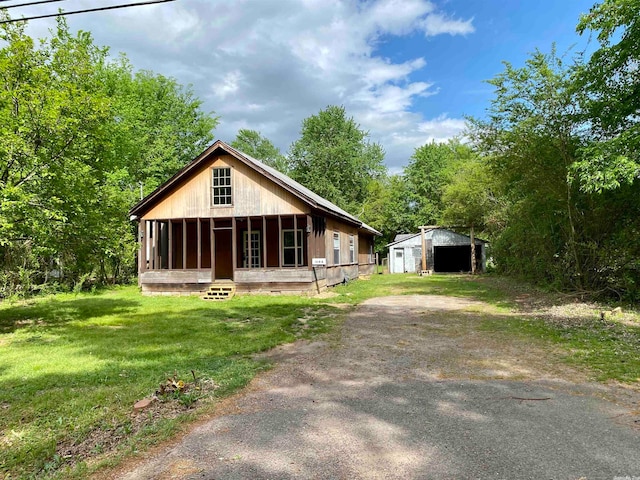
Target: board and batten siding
<point x="252" y="193"/>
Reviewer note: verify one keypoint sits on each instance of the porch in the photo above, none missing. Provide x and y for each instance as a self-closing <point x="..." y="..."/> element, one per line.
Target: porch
<point x="269" y="253"/>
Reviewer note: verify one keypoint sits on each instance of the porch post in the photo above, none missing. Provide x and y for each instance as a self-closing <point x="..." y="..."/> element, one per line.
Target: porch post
<point x="155" y="244"/>
<point x="249" y="252"/>
<point x="295" y="240"/>
<point x="212" y="246"/>
<point x="311" y="241"/>
<point x="234" y="248"/>
<point x="140" y="244"/>
<point x="199" y="227"/>
<point x="264" y="241"/>
<point x="145" y="245"/>
<point x="184" y="243"/>
<point x="279" y="241"/>
<point x="170" y="245"/>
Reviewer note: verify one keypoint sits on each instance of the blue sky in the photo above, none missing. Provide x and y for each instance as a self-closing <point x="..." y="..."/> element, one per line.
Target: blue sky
<point x="408" y="71"/>
<point x="504" y="31"/>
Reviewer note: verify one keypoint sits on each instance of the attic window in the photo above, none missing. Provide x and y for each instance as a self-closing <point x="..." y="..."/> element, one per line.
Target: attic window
<point x="221" y="186"/>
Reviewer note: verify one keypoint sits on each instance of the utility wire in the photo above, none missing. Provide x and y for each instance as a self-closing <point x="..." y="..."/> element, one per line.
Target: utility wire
<point x="101" y="9"/>
<point x="31" y="3"/>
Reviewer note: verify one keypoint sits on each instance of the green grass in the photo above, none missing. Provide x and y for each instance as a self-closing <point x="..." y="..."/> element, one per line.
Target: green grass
<point x="72" y="364"/>
<point x="609" y="350"/>
<point x="411" y="284"/>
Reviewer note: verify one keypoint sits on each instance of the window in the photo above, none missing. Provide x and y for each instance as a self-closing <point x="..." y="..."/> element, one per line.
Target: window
<point x="255" y="249"/>
<point x="221" y="186"/>
<point x="352" y="249"/>
<point x="289" y="248"/>
<point x="336" y="248"/>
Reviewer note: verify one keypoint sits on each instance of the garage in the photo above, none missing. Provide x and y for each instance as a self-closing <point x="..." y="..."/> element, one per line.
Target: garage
<point x="446" y="252"/>
<point x="456" y="258"/>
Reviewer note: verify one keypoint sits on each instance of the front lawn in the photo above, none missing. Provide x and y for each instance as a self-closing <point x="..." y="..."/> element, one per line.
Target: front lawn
<point x="72" y="366"/>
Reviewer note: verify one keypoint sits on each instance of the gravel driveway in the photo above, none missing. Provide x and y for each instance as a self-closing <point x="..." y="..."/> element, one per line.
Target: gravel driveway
<point x="411" y="388"/>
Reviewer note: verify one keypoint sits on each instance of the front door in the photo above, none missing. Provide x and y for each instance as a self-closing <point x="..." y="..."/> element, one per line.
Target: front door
<point x="398" y="261"/>
<point x="223" y="255"/>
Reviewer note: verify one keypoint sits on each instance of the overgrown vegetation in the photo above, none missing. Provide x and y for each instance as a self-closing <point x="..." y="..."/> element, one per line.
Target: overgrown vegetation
<point x="80" y="137"/>
<point x="73" y="365"/>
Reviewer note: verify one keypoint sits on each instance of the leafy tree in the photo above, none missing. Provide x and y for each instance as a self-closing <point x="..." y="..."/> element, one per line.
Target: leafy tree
<point x="609" y="87"/>
<point x="159" y="125"/>
<point x="334" y="159"/>
<point x="553" y="229"/>
<point x="469" y="199"/>
<point x="77" y="134"/>
<point x="429" y="169"/>
<point x="261" y="148"/>
<point x="386" y="209"/>
<point x="530" y="140"/>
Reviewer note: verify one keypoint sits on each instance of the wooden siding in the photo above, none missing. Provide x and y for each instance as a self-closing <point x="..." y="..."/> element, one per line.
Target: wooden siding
<point x="345" y="230"/>
<point x="284" y="275"/>
<point x="365" y="249"/>
<point x="176" y="276"/>
<point x="253" y="194"/>
<point x="337" y="275"/>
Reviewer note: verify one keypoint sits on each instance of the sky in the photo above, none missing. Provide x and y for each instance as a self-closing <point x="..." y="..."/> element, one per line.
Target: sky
<point x="407" y="71"/>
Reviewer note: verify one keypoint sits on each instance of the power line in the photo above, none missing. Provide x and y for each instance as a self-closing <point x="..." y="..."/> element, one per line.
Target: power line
<point x="60" y="14"/>
<point x="31" y="3"/>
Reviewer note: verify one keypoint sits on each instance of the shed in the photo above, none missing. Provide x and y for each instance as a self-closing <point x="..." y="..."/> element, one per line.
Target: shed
<point x="447" y="251"/>
<point x="228" y="218"/>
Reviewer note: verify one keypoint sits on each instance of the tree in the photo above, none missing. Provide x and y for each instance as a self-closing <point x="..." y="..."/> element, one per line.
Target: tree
<point x="386" y="209"/>
<point x="429" y="169"/>
<point x="469" y="199"/>
<point x="77" y="134"/>
<point x="334" y="158"/>
<point x="159" y="126"/>
<point x="530" y="140"/>
<point x="261" y="148"/>
<point x="609" y="88"/>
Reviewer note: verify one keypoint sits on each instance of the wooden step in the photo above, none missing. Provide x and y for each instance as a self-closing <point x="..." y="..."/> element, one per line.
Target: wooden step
<point x="220" y="291"/>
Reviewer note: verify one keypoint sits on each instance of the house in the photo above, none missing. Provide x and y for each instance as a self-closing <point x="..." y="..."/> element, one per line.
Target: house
<point x="446" y="251"/>
<point x="227" y="217"/>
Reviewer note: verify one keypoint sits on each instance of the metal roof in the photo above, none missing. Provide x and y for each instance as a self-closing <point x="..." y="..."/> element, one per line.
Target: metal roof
<point x="302" y="192"/>
<point x="404" y="236"/>
<point x="401" y="237"/>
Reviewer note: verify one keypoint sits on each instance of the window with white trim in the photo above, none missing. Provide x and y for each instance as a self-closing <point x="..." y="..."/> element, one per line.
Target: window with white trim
<point x="336" y="248"/>
<point x="289" y="248"/>
<point x="221" y="186"/>
<point x="352" y="249"/>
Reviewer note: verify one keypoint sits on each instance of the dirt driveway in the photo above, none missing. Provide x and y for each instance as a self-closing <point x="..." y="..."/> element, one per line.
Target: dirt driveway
<point x="412" y="388"/>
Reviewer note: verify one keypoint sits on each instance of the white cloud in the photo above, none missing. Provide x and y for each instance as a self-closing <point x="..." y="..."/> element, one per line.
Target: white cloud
<point x="442" y="128"/>
<point x="229" y="85"/>
<point x="267" y="65"/>
<point x="438" y="24"/>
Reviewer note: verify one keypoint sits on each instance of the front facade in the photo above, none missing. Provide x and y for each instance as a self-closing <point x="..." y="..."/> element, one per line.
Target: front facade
<point x="226" y="217"/>
<point x="446" y="251"/>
